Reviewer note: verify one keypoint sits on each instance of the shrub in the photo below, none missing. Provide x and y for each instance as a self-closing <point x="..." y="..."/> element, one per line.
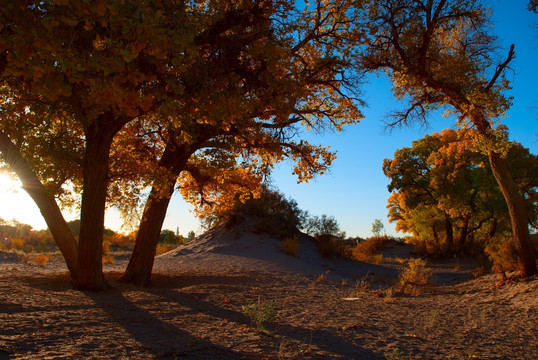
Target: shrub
<point x="259" y="312"/>
<point x="414" y="278"/>
<point x="274" y="214"/>
<point x="37" y="259"/>
<point x="21" y="245"/>
<point x="503" y="256"/>
<point x="164" y="248"/>
<point x="291" y="245"/>
<point x="332" y="246"/>
<point x="368" y="249"/>
<point x="41" y="259"/>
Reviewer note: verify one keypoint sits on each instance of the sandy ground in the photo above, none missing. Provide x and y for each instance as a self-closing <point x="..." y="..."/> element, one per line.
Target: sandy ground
<point x="324" y="309"/>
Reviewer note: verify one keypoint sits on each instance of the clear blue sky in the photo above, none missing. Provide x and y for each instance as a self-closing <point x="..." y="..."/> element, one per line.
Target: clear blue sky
<point x="355" y="190"/>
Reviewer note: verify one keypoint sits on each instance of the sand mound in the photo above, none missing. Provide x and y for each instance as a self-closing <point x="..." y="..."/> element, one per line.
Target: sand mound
<point x="244" y="249"/>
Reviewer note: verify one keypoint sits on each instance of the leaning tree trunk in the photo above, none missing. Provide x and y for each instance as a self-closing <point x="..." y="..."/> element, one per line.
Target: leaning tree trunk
<point x="518" y="215"/>
<point x="516" y="207"/>
<point x="140" y="265"/>
<point x="46" y="203"/>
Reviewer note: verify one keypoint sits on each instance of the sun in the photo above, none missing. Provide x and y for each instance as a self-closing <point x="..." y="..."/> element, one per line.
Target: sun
<point x="8" y="184"/>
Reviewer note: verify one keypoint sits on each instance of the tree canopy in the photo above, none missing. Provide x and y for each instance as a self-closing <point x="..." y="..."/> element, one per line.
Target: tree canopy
<point x="108" y="96"/>
<point x="445" y="195"/>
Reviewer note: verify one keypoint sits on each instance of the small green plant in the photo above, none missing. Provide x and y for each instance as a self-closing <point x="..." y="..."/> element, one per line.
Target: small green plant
<point x="291" y="246"/>
<point x="259" y="312"/>
<point x="396" y="354"/>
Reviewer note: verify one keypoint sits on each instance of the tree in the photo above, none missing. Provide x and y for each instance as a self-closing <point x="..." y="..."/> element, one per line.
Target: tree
<point x="439" y="53"/>
<point x="264" y="94"/>
<point x="84" y="73"/>
<point x="317" y="226"/>
<point x="377" y="227"/>
<point x="102" y="65"/>
<point x="444" y="193"/>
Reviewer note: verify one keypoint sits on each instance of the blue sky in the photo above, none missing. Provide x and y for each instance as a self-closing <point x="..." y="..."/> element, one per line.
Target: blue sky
<point x="355" y="190"/>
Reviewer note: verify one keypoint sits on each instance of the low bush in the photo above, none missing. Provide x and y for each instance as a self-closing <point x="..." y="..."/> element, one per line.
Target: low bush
<point x="164" y="248"/>
<point x="369" y="249"/>
<point x="259" y="312"/>
<point x="333" y="246"/>
<point x="291" y="246"/>
<point x="414" y="278"/>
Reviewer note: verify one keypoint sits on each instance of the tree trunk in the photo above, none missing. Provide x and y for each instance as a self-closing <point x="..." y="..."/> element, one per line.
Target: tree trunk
<point x="463" y="236"/>
<point x="99" y="135"/>
<point x="140" y="265"/>
<point x="449" y="231"/>
<point x="46" y="203"/>
<point x="518" y="214"/>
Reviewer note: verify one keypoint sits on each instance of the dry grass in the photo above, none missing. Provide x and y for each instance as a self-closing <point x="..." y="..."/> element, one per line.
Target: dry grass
<point x="164" y="248"/>
<point x="291" y="246"/>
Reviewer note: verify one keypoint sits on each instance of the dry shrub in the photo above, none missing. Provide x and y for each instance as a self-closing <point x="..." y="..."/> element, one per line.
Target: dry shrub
<point x="368" y="250"/>
<point x="41" y="259"/>
<point x="164" y="248"/>
<point x="503" y="255"/>
<point x="108" y="258"/>
<point x="332" y="246"/>
<point x="21" y="245"/>
<point x="414" y="278"/>
<point x="37" y="259"/>
<point x="291" y="246"/>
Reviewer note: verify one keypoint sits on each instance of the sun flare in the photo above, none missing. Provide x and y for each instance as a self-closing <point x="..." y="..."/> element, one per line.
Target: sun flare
<point x="8" y="184"/>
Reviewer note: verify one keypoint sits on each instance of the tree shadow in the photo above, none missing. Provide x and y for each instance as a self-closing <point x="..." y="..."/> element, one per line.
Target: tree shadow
<point x="325" y="340"/>
<point x="162" y="339"/>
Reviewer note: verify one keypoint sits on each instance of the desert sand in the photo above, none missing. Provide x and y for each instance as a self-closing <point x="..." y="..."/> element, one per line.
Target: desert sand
<point x="324" y="308"/>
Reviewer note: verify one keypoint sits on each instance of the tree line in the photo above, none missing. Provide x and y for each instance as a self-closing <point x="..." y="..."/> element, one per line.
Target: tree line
<point x="205" y="97"/>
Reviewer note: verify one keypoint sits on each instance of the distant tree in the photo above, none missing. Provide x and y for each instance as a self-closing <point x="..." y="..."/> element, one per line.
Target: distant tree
<point x="191" y="236"/>
<point x="441" y="54"/>
<point x="377" y="227"/>
<point x="324" y="225"/>
<point x="167" y="237"/>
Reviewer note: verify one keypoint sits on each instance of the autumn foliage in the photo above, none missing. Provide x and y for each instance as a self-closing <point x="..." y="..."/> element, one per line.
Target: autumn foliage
<point x="444" y="194"/>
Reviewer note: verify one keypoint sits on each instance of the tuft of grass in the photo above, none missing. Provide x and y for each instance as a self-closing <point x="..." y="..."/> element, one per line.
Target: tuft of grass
<point x="259" y="312"/>
<point x="291" y="246"/>
<point x="363" y="285"/>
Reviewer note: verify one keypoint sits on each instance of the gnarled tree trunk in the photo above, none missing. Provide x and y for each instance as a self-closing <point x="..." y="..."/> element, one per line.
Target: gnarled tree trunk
<point x="46" y="203"/>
